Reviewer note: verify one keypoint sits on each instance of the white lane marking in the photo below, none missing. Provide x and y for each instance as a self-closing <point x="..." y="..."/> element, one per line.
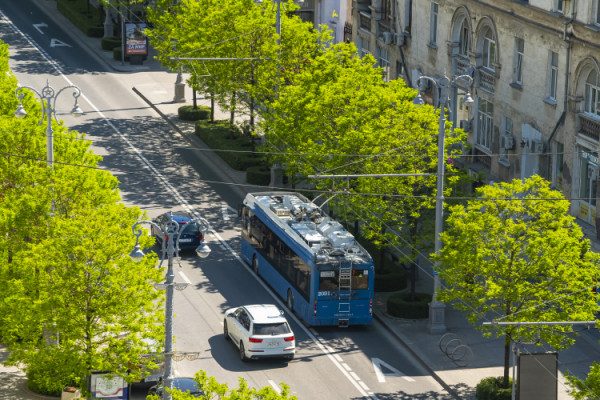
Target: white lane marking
<point x="346" y="366"/>
<point x="39" y="27"/>
<point x="185" y="278"/>
<point x="187" y="207"/>
<point x="58" y="43"/>
<point x="364" y="385"/>
<point x="274" y="386"/>
<point x="225" y="212"/>
<point x="337" y="357"/>
<point x="378" y="363"/>
<point x="353" y="374"/>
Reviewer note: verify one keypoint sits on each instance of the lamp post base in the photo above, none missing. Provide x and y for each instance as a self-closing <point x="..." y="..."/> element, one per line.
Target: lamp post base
<point x="437" y="311"/>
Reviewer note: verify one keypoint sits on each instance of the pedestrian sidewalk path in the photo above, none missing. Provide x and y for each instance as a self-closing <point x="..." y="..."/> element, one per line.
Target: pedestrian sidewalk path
<point x="481" y="357"/>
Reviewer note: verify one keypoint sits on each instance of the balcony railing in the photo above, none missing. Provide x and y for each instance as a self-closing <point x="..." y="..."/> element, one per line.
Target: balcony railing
<point x="487" y="80"/>
<point x="462" y="65"/>
<point x="364" y="21"/>
<point x="590" y="127"/>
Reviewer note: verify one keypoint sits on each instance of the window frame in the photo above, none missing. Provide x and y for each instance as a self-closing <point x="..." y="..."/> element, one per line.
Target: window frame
<point x="489" y="50"/>
<point x="552" y="80"/>
<point x="591" y="95"/>
<point x="518" y="61"/>
<point x="559" y="6"/>
<point x="384" y="62"/>
<point x="464" y="39"/>
<point x="507" y="131"/>
<point x="558" y="167"/>
<point x="485" y="124"/>
<point x="433" y="23"/>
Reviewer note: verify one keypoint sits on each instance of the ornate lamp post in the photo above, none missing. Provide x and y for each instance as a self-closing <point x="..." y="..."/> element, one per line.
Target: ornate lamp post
<point x="436" y="307"/>
<point x="48" y="96"/>
<point x="170" y="249"/>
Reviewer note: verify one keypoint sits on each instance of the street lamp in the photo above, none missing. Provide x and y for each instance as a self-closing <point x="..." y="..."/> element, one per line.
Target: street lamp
<point x="48" y="97"/>
<point x="170" y="249"/>
<point x="437" y="308"/>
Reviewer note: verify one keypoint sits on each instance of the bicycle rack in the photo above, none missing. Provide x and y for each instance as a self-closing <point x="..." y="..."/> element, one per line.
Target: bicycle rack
<point x="455" y="350"/>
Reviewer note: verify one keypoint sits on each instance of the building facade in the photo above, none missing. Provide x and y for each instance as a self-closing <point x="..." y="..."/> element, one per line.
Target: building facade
<point x="536" y="71"/>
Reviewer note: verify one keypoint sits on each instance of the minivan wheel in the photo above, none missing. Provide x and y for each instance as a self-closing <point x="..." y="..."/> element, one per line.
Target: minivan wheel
<point x="243" y="352"/>
<point x="226" y="331"/>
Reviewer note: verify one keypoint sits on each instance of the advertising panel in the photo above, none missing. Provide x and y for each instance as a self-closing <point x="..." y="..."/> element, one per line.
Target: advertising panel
<point x="135" y="40"/>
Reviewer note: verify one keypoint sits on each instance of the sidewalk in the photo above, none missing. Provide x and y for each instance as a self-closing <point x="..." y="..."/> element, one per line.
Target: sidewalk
<point x="483" y="357"/>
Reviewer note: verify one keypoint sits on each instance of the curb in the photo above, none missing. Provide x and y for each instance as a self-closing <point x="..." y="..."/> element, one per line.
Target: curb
<point x="400" y="340"/>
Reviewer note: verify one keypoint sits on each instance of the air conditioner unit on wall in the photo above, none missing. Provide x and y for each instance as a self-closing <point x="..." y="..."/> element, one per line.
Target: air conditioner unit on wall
<point x="387" y="37"/>
<point x="465" y="125"/>
<point x="399" y="39"/>
<point x="508" y="142"/>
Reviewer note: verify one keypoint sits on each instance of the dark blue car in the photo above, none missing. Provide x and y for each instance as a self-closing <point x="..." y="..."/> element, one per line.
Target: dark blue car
<point x="191" y="236"/>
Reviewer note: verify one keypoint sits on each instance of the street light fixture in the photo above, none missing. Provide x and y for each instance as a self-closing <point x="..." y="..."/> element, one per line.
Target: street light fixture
<point x="436" y="307"/>
<point x="48" y="96"/>
<point x="170" y="249"/>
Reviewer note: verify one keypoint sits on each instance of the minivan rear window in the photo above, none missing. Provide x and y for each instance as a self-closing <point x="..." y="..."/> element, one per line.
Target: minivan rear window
<point x="278" y="328"/>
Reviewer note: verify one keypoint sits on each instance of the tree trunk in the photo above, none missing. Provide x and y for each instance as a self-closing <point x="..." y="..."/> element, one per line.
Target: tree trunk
<point x="232" y="115"/>
<point x="507" y="342"/>
<point x="212" y="107"/>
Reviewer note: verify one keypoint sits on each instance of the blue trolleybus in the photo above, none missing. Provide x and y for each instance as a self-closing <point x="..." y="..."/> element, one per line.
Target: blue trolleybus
<point x="309" y="259"/>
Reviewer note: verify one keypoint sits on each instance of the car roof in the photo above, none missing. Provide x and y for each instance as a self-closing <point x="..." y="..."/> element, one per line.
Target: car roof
<point x="179" y="216"/>
<point x="264" y="313"/>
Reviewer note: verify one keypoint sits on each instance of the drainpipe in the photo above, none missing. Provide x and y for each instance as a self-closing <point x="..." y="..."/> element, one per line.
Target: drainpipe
<point x="561" y="119"/>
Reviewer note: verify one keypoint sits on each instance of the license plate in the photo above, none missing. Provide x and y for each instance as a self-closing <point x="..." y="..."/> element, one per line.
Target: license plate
<point x="185" y="240"/>
<point x="273" y="344"/>
<point x="151" y="378"/>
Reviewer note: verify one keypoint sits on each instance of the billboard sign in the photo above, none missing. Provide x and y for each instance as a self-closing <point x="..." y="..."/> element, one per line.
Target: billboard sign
<point x="135" y="40"/>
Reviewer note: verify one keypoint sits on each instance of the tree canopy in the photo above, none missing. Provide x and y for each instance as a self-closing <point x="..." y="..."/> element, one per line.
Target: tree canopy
<point x="340" y="117"/>
<point x="515" y="255"/>
<point x="71" y="300"/>
<point x="249" y="62"/>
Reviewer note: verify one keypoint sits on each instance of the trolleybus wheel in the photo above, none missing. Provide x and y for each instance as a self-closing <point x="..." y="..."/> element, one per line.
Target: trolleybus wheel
<point x="255" y="265"/>
<point x="290" y="300"/>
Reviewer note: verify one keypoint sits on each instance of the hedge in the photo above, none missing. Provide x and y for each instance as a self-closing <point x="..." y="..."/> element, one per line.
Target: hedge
<point x="390" y="281"/>
<point x="217" y="135"/>
<point x="490" y="389"/>
<point x="398" y="305"/>
<point x="110" y="42"/>
<point x="189" y="113"/>
<point x="117" y="54"/>
<point x="76" y="12"/>
<point x="259" y="175"/>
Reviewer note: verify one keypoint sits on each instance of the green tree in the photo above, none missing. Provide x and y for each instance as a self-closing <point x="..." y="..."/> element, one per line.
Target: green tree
<point x="514" y="255"/>
<point x="215" y="390"/>
<point x="88" y="307"/>
<point x="589" y="388"/>
<point x="70" y="298"/>
<point x="339" y="117"/>
<point x="233" y="29"/>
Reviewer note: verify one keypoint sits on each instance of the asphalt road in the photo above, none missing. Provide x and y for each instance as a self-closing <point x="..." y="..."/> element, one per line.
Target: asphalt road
<point x="158" y="171"/>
